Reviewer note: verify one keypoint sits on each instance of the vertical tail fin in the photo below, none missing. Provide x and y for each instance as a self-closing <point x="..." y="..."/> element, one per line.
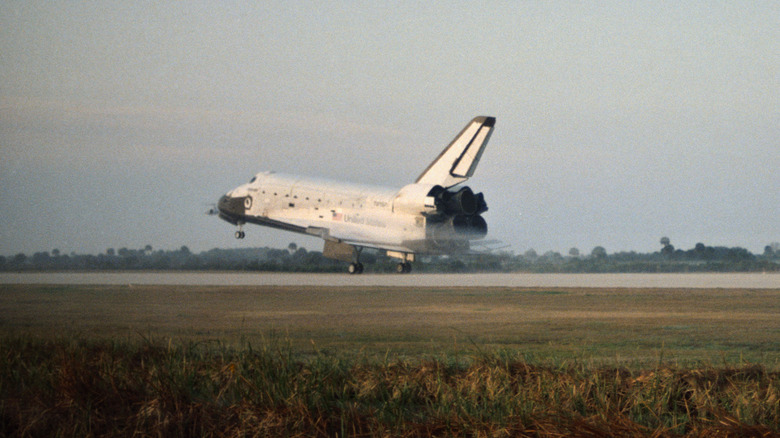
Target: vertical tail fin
<point x="459" y="160"/>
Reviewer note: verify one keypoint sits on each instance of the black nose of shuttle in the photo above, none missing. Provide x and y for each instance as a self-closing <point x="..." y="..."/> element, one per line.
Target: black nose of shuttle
<point x="232" y="209"/>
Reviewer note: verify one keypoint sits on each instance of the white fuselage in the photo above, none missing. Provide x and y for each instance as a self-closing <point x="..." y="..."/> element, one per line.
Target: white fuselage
<point x="365" y="213"/>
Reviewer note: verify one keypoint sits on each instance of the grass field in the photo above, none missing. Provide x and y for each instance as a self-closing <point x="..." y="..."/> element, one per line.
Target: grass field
<point x="627" y="327"/>
<point x="228" y="361"/>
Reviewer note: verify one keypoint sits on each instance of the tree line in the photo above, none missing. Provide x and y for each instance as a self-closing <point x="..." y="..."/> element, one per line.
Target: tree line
<point x="700" y="258"/>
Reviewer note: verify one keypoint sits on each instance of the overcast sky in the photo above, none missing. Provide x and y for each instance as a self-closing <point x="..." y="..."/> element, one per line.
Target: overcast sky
<point x="617" y="122"/>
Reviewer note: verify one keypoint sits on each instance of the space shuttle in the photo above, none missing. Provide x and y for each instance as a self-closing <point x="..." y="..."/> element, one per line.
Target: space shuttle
<point x="434" y="215"/>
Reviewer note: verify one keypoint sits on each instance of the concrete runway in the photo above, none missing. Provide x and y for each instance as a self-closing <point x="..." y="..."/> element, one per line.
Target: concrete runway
<point x="725" y="281"/>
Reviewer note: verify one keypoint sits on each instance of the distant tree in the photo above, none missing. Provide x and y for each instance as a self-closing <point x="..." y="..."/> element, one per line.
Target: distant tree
<point x="700" y="248"/>
<point x="184" y="249"/>
<point x="599" y="253"/>
<point x="292" y="247"/>
<point x="531" y="254"/>
<point x="110" y="251"/>
<point x="668" y="248"/>
<point x="300" y="253"/>
<point x="41" y="258"/>
<point x="769" y="251"/>
<point x="148" y="249"/>
<point x="551" y="256"/>
<point x="455" y="265"/>
<point x="737" y="254"/>
<point x="20" y="259"/>
<point x="55" y="252"/>
<point x="574" y="252"/>
<point x="278" y="254"/>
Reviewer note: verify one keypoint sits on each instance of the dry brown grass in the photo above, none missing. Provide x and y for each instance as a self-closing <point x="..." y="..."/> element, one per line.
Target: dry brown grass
<point x="101" y="388"/>
<point x="303" y="361"/>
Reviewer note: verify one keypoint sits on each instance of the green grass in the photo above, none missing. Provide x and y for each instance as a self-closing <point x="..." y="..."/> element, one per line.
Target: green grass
<point x="602" y="324"/>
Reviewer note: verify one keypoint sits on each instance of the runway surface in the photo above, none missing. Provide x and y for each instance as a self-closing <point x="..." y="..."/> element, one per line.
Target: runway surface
<point x="726" y="281"/>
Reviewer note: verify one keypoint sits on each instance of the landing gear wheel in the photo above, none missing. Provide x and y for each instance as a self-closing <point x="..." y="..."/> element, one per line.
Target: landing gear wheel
<point x="355" y="268"/>
<point x="240" y="234"/>
<point x="403" y="268"/>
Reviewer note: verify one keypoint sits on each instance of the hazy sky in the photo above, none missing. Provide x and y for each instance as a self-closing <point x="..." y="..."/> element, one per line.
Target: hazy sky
<point x="617" y="122"/>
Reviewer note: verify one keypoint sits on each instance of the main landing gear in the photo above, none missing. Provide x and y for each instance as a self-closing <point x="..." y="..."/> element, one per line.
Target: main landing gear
<point x="356" y="267"/>
<point x="403" y="268"/>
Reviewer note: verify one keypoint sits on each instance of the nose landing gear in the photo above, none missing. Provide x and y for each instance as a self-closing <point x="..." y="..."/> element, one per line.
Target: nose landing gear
<point x="240" y="234"/>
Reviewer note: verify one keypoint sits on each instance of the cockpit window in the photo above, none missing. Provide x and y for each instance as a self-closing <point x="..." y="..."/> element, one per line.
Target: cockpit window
<point x="254" y="178"/>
